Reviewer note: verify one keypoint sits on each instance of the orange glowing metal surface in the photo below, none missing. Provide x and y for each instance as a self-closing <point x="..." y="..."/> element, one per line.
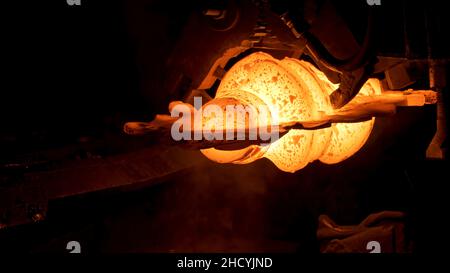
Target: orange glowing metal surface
<point x="294" y="90"/>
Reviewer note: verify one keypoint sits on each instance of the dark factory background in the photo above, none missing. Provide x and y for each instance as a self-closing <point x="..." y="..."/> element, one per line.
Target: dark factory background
<point x="73" y="75"/>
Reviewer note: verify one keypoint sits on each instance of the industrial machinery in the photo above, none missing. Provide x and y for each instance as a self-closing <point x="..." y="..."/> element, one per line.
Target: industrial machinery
<point x="357" y="98"/>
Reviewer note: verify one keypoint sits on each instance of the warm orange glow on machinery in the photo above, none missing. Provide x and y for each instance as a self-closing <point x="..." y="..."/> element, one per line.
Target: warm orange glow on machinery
<point x="296" y="99"/>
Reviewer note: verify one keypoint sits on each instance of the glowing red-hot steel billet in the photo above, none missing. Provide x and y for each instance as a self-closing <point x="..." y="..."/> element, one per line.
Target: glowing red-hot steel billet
<point x="306" y="126"/>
